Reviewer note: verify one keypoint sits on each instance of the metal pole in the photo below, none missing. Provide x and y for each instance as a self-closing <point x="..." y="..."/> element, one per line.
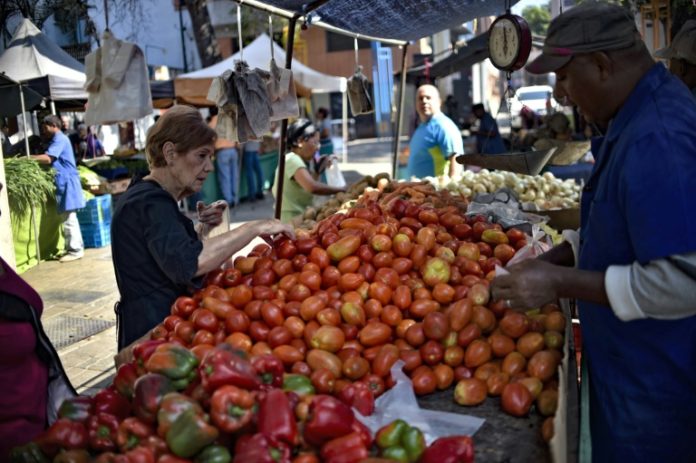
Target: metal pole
<point x="344" y="134"/>
<point x="284" y="124"/>
<point x="53" y="108"/>
<point x="399" y="112"/>
<point x="183" y="38"/>
<point x="26" y="147"/>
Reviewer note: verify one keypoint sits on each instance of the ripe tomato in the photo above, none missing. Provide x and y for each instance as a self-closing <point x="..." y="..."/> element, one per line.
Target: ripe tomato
<point x="516" y="399"/>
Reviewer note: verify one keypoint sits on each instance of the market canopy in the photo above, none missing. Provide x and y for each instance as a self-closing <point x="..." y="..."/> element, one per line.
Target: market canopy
<point x="193" y="87"/>
<point x="475" y="51"/>
<point x="393" y="19"/>
<point x="12" y="100"/>
<point x="31" y="55"/>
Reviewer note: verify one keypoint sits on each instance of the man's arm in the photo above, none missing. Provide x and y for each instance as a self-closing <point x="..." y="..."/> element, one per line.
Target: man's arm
<point x="42" y="158"/>
<point x="655" y="290"/>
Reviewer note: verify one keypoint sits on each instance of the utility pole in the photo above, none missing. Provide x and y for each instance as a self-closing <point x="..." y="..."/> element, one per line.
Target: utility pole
<point x="183" y="37"/>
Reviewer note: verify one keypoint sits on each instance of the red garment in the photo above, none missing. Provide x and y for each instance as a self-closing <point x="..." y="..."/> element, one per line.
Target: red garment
<point x="23" y="376"/>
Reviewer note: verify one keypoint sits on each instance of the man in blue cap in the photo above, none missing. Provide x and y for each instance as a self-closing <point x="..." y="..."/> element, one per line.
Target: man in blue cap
<point x="638" y="214"/>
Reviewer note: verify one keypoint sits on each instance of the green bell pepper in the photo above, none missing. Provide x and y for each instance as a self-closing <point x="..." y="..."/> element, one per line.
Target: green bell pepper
<point x="29" y="453"/>
<point x="214" y="454"/>
<point x="396" y="453"/>
<point x="175" y="362"/>
<point x="390" y="435"/>
<point x="189" y="434"/>
<point x="299" y="384"/>
<point x="414" y="442"/>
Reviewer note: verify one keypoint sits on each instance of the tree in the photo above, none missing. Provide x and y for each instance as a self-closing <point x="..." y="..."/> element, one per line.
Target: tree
<point x="538" y="17"/>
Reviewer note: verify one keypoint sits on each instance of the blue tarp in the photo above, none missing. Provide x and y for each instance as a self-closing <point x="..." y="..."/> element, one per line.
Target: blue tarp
<point x="396" y="19"/>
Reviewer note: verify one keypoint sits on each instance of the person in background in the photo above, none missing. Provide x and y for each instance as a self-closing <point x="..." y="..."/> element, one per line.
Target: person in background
<point x="300" y="183"/>
<point x="488" y="139"/>
<point x="633" y="266"/>
<point x="28" y="363"/>
<point x="251" y="168"/>
<point x="158" y="255"/>
<point x="436" y="139"/>
<point x="226" y="164"/>
<point x="681" y="54"/>
<point x="68" y="188"/>
<point x="90" y="146"/>
<point x="324" y="127"/>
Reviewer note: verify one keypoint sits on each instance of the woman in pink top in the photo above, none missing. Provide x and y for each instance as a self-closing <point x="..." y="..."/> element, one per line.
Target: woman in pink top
<point x="27" y="361"/>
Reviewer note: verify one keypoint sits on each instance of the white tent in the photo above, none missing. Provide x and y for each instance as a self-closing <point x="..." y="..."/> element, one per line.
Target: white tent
<point x="193" y="86"/>
<point x="31" y="55"/>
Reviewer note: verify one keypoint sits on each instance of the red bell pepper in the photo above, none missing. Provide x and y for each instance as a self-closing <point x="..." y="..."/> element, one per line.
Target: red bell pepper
<point x="169" y="458"/>
<point x="173" y="405"/>
<point x="139" y="455"/>
<point x="270" y="369"/>
<point x="150" y="389"/>
<point x="131" y="432"/>
<point x="346" y="449"/>
<point x="125" y="378"/>
<point x="232" y="408"/>
<point x="110" y="401"/>
<point x="225" y="366"/>
<point x="359" y="396"/>
<point x="452" y="449"/>
<point x="258" y="448"/>
<point x="142" y="352"/>
<point x="73" y="456"/>
<point x="363" y="431"/>
<point x="276" y="417"/>
<point x="327" y="418"/>
<point x="76" y="409"/>
<point x="103" y="432"/>
<point x="63" y="434"/>
<point x="156" y="444"/>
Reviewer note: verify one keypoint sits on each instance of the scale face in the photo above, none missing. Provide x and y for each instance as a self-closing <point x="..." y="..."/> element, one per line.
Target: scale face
<point x="509" y="42"/>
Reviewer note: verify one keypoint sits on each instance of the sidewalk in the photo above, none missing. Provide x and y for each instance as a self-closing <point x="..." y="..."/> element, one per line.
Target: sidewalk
<point x="79" y="296"/>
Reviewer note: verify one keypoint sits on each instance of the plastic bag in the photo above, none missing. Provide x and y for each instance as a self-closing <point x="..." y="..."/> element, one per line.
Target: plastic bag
<point x="503" y="207"/>
<point x="334" y="176"/>
<point x="537" y="244"/>
<point x="400" y="402"/>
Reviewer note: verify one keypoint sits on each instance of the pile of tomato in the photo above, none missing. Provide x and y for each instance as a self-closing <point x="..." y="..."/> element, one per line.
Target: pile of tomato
<point x="344" y="302"/>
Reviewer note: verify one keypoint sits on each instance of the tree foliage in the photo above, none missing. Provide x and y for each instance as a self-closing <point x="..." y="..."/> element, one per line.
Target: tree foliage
<point x="538" y="17"/>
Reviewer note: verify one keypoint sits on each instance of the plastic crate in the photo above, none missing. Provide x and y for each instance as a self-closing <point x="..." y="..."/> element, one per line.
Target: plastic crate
<point x="96" y="210"/>
<point x="96" y="235"/>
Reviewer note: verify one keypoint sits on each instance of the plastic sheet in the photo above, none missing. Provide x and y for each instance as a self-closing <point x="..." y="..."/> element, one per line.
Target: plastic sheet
<point x="400" y="402"/>
<point x="503" y="207"/>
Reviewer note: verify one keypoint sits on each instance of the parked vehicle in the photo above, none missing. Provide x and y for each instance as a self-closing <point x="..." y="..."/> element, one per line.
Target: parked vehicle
<point x="535" y="98"/>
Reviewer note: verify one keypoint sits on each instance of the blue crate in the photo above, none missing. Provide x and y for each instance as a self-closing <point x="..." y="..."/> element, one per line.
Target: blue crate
<point x="96" y="235"/>
<point x="96" y="210"/>
<point x="111" y="174"/>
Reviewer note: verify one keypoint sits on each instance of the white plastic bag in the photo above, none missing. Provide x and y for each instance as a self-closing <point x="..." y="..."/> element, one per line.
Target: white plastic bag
<point x="400" y="402"/>
<point x="334" y="176"/>
<point x="537" y="244"/>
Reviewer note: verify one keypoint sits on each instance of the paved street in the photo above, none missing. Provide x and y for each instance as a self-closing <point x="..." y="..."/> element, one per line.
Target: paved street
<point x="79" y="296"/>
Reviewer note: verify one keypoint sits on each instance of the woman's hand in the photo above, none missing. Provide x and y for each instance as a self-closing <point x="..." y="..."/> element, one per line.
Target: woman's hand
<point x="267" y="229"/>
<point x="530" y="284"/>
<point x="211" y="215"/>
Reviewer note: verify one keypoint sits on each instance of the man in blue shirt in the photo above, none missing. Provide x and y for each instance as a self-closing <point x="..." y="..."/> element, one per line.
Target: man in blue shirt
<point x="435" y="140"/>
<point x="488" y="139"/>
<point x="68" y="189"/>
<point x="638" y="210"/>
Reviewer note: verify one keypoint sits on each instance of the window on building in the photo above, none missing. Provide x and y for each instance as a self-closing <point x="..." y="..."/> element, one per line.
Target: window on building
<point x="340" y="42"/>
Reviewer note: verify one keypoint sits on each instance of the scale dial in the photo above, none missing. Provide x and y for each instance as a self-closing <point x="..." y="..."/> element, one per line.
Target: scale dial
<point x="509" y="42"/>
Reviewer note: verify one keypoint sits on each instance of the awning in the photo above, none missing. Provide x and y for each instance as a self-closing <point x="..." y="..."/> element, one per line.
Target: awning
<point x="475" y="51"/>
<point x="12" y="100"/>
<point x="402" y="20"/>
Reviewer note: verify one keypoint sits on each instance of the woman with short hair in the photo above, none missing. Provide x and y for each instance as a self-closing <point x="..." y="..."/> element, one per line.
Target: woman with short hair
<point x="157" y="253"/>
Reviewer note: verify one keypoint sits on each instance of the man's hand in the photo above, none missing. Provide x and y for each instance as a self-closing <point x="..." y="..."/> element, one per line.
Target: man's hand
<point x="211" y="215"/>
<point x="529" y="285"/>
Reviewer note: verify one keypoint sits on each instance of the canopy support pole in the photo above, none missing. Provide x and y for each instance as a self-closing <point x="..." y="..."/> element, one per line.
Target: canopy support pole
<point x="344" y="107"/>
<point x="26" y="147"/>
<point x="399" y="113"/>
<point x="284" y="124"/>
